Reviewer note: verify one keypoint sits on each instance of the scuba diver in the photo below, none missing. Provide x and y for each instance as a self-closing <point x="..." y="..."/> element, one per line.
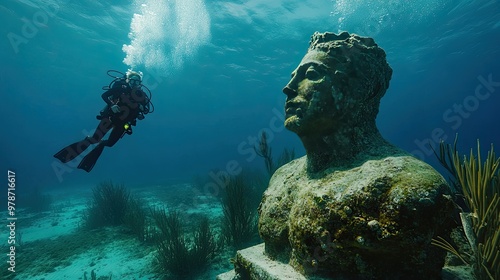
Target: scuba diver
<point x="126" y="102"/>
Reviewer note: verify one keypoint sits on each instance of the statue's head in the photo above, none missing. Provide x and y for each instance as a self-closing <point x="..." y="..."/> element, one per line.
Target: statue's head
<point x="340" y="81"/>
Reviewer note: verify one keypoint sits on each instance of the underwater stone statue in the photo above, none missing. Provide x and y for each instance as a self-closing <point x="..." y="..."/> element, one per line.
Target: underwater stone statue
<point x="355" y="207"/>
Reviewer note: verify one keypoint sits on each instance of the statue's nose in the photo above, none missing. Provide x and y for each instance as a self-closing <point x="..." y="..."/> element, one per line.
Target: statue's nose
<point x="290" y="93"/>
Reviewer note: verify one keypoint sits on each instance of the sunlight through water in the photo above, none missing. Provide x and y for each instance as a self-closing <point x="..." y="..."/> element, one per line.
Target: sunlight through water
<point x="370" y="17"/>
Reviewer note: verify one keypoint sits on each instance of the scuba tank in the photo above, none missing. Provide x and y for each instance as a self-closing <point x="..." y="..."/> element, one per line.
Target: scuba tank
<point x="120" y="81"/>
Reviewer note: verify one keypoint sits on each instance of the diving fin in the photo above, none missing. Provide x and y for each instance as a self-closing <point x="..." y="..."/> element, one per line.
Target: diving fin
<point x="91" y="158"/>
<point x="72" y="151"/>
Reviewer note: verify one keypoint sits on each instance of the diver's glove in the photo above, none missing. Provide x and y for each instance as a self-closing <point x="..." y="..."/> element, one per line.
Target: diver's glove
<point x="115" y="108"/>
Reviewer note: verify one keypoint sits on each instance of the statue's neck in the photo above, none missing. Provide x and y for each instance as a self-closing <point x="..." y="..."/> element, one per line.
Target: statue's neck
<point x="341" y="147"/>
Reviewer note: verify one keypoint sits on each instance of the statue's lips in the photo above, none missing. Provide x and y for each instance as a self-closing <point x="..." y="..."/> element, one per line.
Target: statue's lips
<point x="293" y="111"/>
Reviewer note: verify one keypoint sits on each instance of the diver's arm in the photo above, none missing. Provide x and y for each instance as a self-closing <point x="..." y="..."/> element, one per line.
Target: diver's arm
<point x="144" y="102"/>
<point x="106" y="95"/>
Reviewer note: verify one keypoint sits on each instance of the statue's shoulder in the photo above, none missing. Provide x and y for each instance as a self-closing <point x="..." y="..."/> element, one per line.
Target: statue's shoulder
<point x="409" y="167"/>
<point x="392" y="172"/>
<point x="294" y="168"/>
<point x="401" y="175"/>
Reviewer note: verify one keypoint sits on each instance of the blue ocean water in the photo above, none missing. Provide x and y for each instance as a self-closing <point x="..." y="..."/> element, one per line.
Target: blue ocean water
<point x="216" y="70"/>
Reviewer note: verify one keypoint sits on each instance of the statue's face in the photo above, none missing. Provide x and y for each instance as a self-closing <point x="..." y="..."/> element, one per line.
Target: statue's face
<point x="310" y="106"/>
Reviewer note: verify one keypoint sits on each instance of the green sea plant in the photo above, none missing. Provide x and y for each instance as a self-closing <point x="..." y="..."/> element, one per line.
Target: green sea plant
<point x="265" y="151"/>
<point x="176" y="252"/>
<point x="135" y="218"/>
<point x="205" y="244"/>
<point x="239" y="224"/>
<point x="108" y="205"/>
<point x="480" y="186"/>
<point x="113" y="205"/>
<point x="173" y="250"/>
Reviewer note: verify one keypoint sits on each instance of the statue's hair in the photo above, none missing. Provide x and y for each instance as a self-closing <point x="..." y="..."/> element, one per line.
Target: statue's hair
<point x="360" y="65"/>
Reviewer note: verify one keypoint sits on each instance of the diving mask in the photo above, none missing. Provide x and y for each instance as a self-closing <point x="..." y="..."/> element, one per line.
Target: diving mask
<point x="134" y="81"/>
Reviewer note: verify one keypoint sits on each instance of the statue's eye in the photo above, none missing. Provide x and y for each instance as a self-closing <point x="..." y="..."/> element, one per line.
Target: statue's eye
<point x="312" y="74"/>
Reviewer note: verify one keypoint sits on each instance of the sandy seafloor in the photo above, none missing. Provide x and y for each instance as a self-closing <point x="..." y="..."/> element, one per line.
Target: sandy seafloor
<point x="54" y="246"/>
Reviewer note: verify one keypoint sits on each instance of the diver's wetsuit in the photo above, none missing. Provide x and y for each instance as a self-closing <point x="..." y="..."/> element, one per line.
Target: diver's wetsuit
<point x="133" y="104"/>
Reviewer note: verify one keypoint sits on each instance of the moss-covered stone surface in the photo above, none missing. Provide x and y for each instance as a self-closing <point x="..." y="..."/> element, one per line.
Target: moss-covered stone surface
<point x="372" y="220"/>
